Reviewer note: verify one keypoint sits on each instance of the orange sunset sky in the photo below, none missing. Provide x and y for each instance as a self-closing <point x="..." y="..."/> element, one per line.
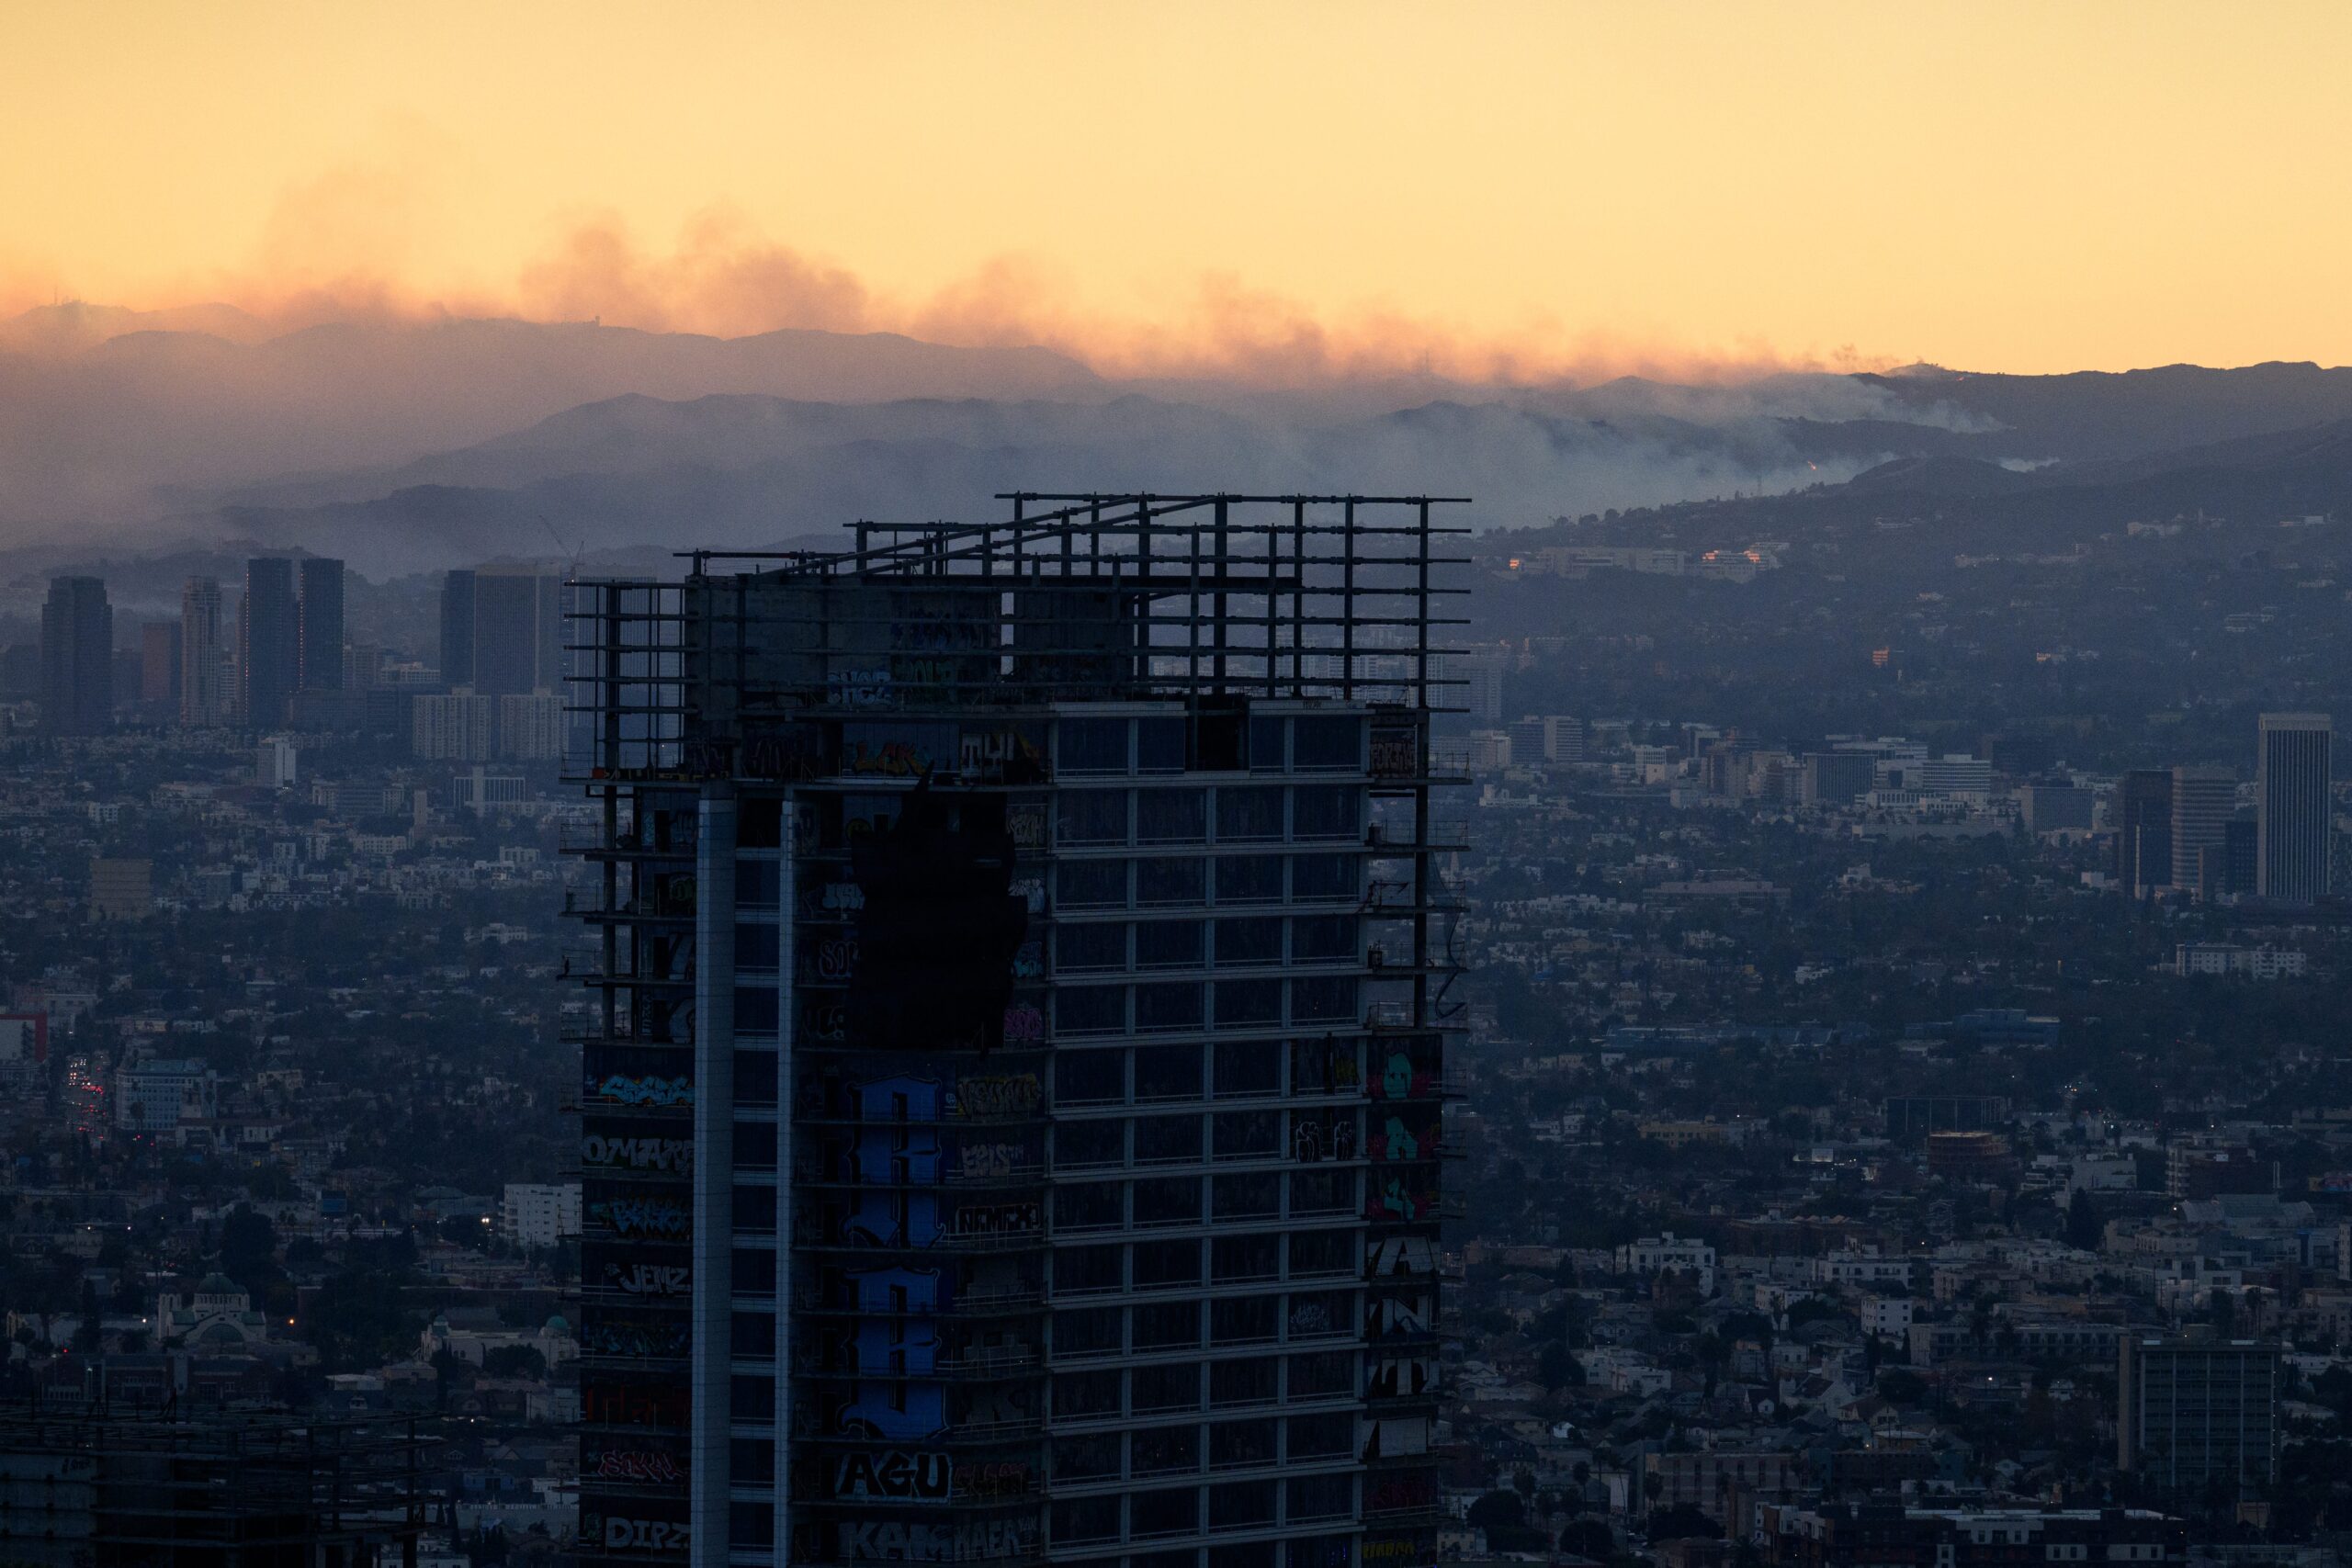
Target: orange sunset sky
<point x="1494" y="187"/>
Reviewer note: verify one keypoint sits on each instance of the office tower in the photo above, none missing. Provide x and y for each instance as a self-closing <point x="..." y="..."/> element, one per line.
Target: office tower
<point x="1011" y="1116"/>
<point x="321" y="626"/>
<point x="2241" y="854"/>
<point x="159" y="668"/>
<point x="1483" y="689"/>
<point x="501" y="631"/>
<point x="269" y="642"/>
<point x="2293" y="807"/>
<point x="1835" y="778"/>
<point x="203" y="688"/>
<point x="458" y="630"/>
<point x="2194" y="1413"/>
<point x="2143" y="817"/>
<point x="2203" y="800"/>
<point x="76" y="657"/>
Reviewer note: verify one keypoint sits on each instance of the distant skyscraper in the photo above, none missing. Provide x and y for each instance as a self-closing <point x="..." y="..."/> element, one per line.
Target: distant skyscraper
<point x="517" y="631"/>
<point x="1484" y="691"/>
<point x="2143" y="831"/>
<point x="269" y="646"/>
<point x="2202" y="799"/>
<point x="76" y="657"/>
<point x="321" y="624"/>
<point x="159" y="668"/>
<point x="2293" y="807"/>
<point x="458" y="630"/>
<point x="2194" y="1413"/>
<point x="203" y="691"/>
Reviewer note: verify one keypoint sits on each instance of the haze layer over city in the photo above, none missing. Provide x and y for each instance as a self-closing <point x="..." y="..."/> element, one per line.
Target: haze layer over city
<point x="1295" y="786"/>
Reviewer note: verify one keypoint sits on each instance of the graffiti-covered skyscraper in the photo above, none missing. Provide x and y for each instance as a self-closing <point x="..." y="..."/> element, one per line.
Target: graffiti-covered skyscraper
<point x="1011" y="1119"/>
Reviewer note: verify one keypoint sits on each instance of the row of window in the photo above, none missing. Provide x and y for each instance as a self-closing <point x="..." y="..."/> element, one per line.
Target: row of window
<point x="1225" y="1069"/>
<point x="1184" y="1005"/>
<point x="1232" y="1504"/>
<point x="1110" y="1268"/>
<point x="1151" y="882"/>
<point x="1222" y="1444"/>
<point x="1171" y="743"/>
<point x="1235" y="943"/>
<point x="1313" y="1134"/>
<point x="1243" y="814"/>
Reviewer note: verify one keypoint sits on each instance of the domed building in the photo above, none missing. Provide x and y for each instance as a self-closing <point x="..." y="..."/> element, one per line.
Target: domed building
<point x="217" y="1316"/>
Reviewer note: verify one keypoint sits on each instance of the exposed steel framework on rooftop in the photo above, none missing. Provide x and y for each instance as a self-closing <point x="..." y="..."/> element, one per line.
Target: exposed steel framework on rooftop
<point x="1290" y="597"/>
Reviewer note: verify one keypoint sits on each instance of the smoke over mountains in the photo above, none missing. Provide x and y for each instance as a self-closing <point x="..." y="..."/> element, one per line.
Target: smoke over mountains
<point x="410" y="446"/>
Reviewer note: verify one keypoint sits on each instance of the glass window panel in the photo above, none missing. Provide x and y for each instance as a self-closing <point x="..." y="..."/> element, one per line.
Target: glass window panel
<point x="1169" y="945"/>
<point x="1321" y="1497"/>
<point x="1240" y="1003"/>
<point x="1250" y="939"/>
<point x="1324" y="877"/>
<point x="1167" y="1201"/>
<point x="1239" y="1258"/>
<point x="1094" y="1331"/>
<point x="1163" y="1513"/>
<point x="1079" y="1145"/>
<point x="1252" y="1195"/>
<point x="1323" y="1000"/>
<point x="1161" y="1264"/>
<point x="1322" y="1253"/>
<point x="1165" y="880"/>
<point x="1331" y="1435"/>
<point x="1080" y="1519"/>
<point x="1322" y="1193"/>
<point x="1164" y="1140"/>
<point x="755" y="1145"/>
<point x="1168" y="1072"/>
<point x="758" y="946"/>
<point x="1247" y="1068"/>
<point x="1083" y="1269"/>
<point x="1248" y="1134"/>
<point x="1325" y="811"/>
<point x="1249" y="879"/>
<point x="1233" y="1444"/>
<point x="1090" y="884"/>
<point x="1250" y="1381"/>
<point x="756" y="1010"/>
<point x="755" y="1211"/>
<point x="1168" y="1006"/>
<point x="1239" y="1504"/>
<point x="1095" y="1456"/>
<point x="1091" y="816"/>
<point x="1166" y="1388"/>
<point x="757" y="882"/>
<point x="1078" y="1395"/>
<point x="1091" y="1009"/>
<point x="1266" y="743"/>
<point x="1080" y="948"/>
<point x="1245" y="1320"/>
<point x="1090" y="1206"/>
<point x="1164" y="1451"/>
<point x="1090" y="1078"/>
<point x="1327" y="743"/>
<point x="1250" y="814"/>
<point x="1323" y="936"/>
<point x="1159" y="745"/>
<point x="755" y="1077"/>
<point x="1092" y="746"/>
<point x="1168" y="1326"/>
<point x="1324" y="1375"/>
<point x="1171" y="816"/>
